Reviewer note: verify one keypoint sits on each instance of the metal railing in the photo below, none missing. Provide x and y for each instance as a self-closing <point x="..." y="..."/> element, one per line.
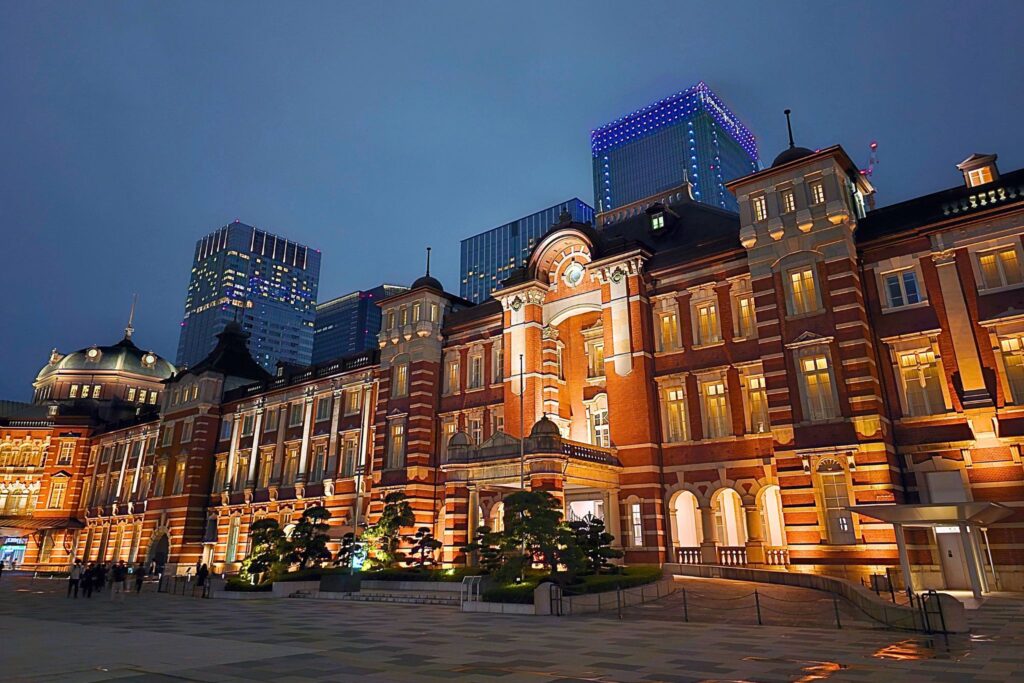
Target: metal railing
<point x="183" y="585"/>
<point x="569" y="604"/>
<point x="470" y="590"/>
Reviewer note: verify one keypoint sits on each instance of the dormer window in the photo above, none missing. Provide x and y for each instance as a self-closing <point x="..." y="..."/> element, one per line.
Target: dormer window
<point x="760" y="208"/>
<point x="657" y="221"/>
<point x="979" y="169"/>
<point x="979" y="176"/>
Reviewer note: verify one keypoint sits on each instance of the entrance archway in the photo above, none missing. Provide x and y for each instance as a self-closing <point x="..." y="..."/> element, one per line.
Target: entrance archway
<point x="159" y="551"/>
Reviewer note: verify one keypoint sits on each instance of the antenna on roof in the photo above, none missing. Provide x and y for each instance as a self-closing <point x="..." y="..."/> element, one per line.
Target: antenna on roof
<point x="789" y="126"/>
<point x="128" y="329"/>
<point x="428" y="261"/>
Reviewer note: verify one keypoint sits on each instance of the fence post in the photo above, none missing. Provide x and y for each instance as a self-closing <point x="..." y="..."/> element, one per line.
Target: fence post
<point x="618" y="599"/>
<point x="686" y="609"/>
<point x="757" y="605"/>
<point x="835" y="606"/>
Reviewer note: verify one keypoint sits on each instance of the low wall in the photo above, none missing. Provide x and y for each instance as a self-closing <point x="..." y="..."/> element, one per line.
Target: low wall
<point x="282" y="589"/>
<point x="241" y="595"/>
<point x="894" y="616"/>
<point x="499" y="608"/>
<point x="424" y="586"/>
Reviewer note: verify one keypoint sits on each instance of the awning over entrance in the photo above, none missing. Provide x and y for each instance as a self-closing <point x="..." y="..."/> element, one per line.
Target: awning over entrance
<point x="936" y="514"/>
<point x="960" y="518"/>
<point x="10" y="526"/>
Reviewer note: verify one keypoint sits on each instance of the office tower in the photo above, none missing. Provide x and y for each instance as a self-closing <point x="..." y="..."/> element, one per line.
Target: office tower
<point x="267" y="282"/>
<point x="349" y="323"/>
<point x="690" y="136"/>
<point x="490" y="257"/>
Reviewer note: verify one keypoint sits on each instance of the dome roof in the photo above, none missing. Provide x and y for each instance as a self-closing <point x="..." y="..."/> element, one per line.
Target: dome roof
<point x="791" y="154"/>
<point x="123" y="356"/>
<point x="545" y="427"/>
<point x="428" y="281"/>
<point x="459" y="439"/>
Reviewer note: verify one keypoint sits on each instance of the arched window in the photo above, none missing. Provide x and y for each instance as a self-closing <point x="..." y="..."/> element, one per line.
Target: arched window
<point x="771" y="517"/>
<point x="730" y="525"/>
<point x="689" y="532"/>
<point x="497" y="517"/>
<point x="597" y="415"/>
<point x="835" y="498"/>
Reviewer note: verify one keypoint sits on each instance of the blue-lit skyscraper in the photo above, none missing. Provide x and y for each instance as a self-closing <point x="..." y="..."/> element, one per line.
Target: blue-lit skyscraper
<point x="490" y="257"/>
<point x="269" y="282"/>
<point x="691" y="136"/>
<point x="350" y="323"/>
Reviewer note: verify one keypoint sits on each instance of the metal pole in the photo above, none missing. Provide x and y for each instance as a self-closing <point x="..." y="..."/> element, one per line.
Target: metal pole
<point x="522" y="426"/>
<point x="618" y="599"/>
<point x="757" y="606"/>
<point x="835" y="606"/>
<point x="355" y="518"/>
<point x="686" y="609"/>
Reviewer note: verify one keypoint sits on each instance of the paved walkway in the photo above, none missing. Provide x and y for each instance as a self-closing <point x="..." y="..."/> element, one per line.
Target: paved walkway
<point x="153" y="637"/>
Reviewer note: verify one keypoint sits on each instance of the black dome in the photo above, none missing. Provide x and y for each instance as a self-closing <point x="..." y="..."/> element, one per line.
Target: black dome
<point x="427" y="281"/>
<point x="792" y="154"/>
<point x="545" y="427"/>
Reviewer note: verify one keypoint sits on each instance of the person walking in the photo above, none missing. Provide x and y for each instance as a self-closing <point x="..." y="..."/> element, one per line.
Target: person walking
<point x="140" y="575"/>
<point x="118" y="580"/>
<point x="99" y="578"/>
<point x="74" y="577"/>
<point x="201" y="574"/>
<point x="88" y="576"/>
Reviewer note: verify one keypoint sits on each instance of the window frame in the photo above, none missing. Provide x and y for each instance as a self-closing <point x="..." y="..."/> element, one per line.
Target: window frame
<point x="673" y="395"/>
<point x="983" y="286"/>
<point x="797" y="308"/>
<point x="814" y="354"/>
<point x="396" y="455"/>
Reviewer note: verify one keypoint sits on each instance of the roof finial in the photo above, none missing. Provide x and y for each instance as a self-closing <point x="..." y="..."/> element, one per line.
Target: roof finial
<point x="428" y="261"/>
<point x="789" y="126"/>
<point x="128" y="329"/>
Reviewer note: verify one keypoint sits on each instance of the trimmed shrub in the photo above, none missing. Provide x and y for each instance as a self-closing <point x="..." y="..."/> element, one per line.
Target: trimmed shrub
<point x="521" y="593"/>
<point x="240" y="585"/>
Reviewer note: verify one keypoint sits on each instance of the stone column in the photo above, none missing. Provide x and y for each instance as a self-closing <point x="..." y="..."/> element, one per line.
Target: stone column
<point x="961" y="331"/>
<point x="333" y="460"/>
<point x="250" y="480"/>
<point x="708" y="547"/>
<point x="236" y="434"/>
<point x="613" y="516"/>
<point x="307" y="427"/>
<point x="755" y="535"/>
<point x="473" y="517"/>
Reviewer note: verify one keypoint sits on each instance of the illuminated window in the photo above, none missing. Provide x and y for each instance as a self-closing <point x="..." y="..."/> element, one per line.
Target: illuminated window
<point x="476" y="430"/>
<point x="350" y="449"/>
<point x="1013" y="360"/>
<point x="675" y="415"/>
<point x="73" y="392"/>
<point x="451" y="374"/>
<point x="595" y="359"/>
<point x="353" y="400"/>
<point x="85" y="390"/>
<point x="979" y="176"/>
<point x="835" y="498"/>
<point x="131" y="394"/>
<point x="231" y="548"/>
<point x="95" y="390"/>
<point x="396" y="443"/>
<point x="757" y="404"/>
<point x="291" y="467"/>
<point x="803" y="292"/>
<point x="708" y="330"/>
<point x="788" y="201"/>
<point x="817" y="190"/>
<point x="58" y="488"/>
<point x="323" y="408"/>
<point x="922" y="387"/>
<point x="67" y="451"/>
<point x="716" y="410"/>
<point x="266" y="469"/>
<point x="745" y="318"/>
<point x="476" y="370"/>
<point x="657" y="221"/>
<point x="179" y="477"/>
<point x="636" y="524"/>
<point x="161" y="480"/>
<point x="319" y="464"/>
<point x="759" y="207"/>
<point x="901" y="289"/>
<point x="416" y="311"/>
<point x="152" y="397"/>
<point x="497" y="363"/>
<point x="400" y="380"/>
<point x="999" y="268"/>
<point x="668" y="331"/>
<point x="817" y="385"/>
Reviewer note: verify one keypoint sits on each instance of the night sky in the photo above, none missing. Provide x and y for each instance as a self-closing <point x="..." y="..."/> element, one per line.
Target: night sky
<point x="128" y="130"/>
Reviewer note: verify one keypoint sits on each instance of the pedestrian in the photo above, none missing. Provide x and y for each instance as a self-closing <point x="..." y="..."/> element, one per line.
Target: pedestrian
<point x="199" y="565"/>
<point x="201" y="574"/>
<point x="75" y="577"/>
<point x="118" y="580"/>
<point x="1" y="567"/>
<point x="140" y="574"/>
<point x="100" y="577"/>
<point x="88" y="576"/>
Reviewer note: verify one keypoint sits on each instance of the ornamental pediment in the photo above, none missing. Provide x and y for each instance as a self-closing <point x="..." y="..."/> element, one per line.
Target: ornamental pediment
<point x="809" y="338"/>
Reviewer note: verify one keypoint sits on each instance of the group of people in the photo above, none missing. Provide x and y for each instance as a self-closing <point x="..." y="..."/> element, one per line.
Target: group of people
<point x="94" y="576"/>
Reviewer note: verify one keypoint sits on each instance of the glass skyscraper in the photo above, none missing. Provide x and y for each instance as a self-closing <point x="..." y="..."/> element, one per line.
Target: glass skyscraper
<point x="350" y="323"/>
<point x="691" y="136"/>
<point x="490" y="257"/>
<point x="267" y="282"/>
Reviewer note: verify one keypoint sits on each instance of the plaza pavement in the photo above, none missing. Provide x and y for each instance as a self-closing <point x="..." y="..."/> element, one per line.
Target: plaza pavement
<point x="155" y="637"/>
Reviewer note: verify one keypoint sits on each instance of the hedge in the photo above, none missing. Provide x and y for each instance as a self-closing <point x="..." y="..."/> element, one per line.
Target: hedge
<point x="240" y="585"/>
<point x="594" y="583"/>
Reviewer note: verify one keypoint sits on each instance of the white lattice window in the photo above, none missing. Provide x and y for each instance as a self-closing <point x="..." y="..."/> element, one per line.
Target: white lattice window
<point x="757" y="404"/>
<point x="921" y="379"/>
<point x="715" y="412"/>
<point x="901" y="288"/>
<point x="668" y="331"/>
<point x="787" y="200"/>
<point x="759" y="207"/>
<point x="707" y="328"/>
<point x="744" y="316"/>
<point x="1012" y="349"/>
<point x="835" y="498"/>
<point x="675" y="414"/>
<point x="803" y="291"/>
<point x="816" y="379"/>
<point x="396" y="443"/>
<point x="1000" y="267"/>
<point x="476" y="370"/>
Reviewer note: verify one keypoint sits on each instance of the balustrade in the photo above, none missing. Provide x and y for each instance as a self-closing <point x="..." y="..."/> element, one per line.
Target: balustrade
<point x="688" y="555"/>
<point x="732" y="556"/>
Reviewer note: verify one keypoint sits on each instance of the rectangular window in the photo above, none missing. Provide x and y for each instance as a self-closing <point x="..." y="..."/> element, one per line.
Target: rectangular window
<point x="131" y="394"/>
<point x="319" y="464"/>
<point x="560" y="360"/>
<point x="403" y="316"/>
<point x="636" y="522"/>
<point x="476" y="371"/>
<point x="67" y="452"/>
<point x="350" y="449"/>
<point x="291" y="467"/>
<point x="270" y="420"/>
<point x="433" y="313"/>
<point x="266" y="469"/>
<point x="497" y="422"/>
<point x="390" y="320"/>
<point x="168" y="434"/>
<point x="396" y="443"/>
<point x="836" y="499"/>
<point x="416" y="312"/>
<point x="716" y="411"/>
<point x="803" y="292"/>
<point x="595" y="359"/>
<point x="922" y="386"/>
<point x="979" y="176"/>
<point x="231" y="550"/>
<point x="73" y="392"/>
<point x="788" y="201"/>
<point x="323" y="409"/>
<point x="999" y="268"/>
<point x="817" y="388"/>
<point x="294" y="415"/>
<point x="225" y="428"/>
<point x="476" y="430"/>
<point x="161" y="480"/>
<point x="668" y="331"/>
<point x="248" y="423"/>
<point x="1013" y="359"/>
<point x="817" y="189"/>
<point x="599" y="430"/>
<point x="901" y="289"/>
<point x="218" y="476"/>
<point x="497" y="363"/>
<point x="657" y="221"/>
<point x="152" y="398"/>
<point x="179" y="477"/>
<point x="143" y="395"/>
<point x="400" y="380"/>
<point x="675" y="415"/>
<point x="757" y="398"/>
<point x="85" y="390"/>
<point x="448" y="428"/>
<point x="353" y="398"/>
<point x="759" y="207"/>
<point x="708" y="329"/>
<point x="746" y="321"/>
<point x="58" y="487"/>
<point x="451" y="375"/>
<point x="186" y="430"/>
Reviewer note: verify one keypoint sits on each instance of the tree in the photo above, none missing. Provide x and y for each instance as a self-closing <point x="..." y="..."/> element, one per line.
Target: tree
<point x="533" y="519"/>
<point x="490" y="548"/>
<point x="309" y="537"/>
<point x="589" y="536"/>
<point x="423" y="548"/>
<point x="348" y="551"/>
<point x="385" y="535"/>
<point x="268" y="545"/>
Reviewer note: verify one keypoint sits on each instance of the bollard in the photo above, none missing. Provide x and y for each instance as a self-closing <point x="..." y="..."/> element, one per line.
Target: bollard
<point x="618" y="599"/>
<point x="686" y="609"/>
<point x="757" y="606"/>
<point x="835" y="606"/>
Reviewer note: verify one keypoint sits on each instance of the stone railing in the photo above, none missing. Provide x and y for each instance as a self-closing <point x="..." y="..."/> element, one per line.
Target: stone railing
<point x="688" y="555"/>
<point x="731" y="556"/>
<point x="776" y="557"/>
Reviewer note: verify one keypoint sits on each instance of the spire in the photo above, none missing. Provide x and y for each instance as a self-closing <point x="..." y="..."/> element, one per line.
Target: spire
<point x="789" y="126"/>
<point x="428" y="261"/>
<point x="128" y="329"/>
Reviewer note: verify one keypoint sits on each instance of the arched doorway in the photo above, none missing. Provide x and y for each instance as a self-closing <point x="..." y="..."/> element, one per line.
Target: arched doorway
<point x="771" y="516"/>
<point x="687" y="529"/>
<point x="159" y="551"/>
<point x="497" y="521"/>
<point x="730" y="525"/>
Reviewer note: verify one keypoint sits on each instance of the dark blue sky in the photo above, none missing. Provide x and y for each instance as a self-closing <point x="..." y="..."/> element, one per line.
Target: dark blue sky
<point x="369" y="130"/>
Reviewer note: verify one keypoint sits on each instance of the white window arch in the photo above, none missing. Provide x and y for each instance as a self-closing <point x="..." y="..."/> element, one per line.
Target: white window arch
<point x="771" y="516"/>
<point x="689" y="532"/>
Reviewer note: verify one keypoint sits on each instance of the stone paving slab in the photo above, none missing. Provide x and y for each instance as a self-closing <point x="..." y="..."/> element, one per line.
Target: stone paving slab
<point x="153" y="637"/>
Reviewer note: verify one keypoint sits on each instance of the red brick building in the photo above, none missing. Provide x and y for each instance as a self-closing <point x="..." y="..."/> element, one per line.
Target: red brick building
<point x="790" y="388"/>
